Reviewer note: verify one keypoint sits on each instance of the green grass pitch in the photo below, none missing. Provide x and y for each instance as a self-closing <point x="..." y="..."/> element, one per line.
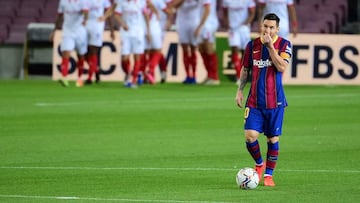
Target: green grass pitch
<point x="170" y="143"/>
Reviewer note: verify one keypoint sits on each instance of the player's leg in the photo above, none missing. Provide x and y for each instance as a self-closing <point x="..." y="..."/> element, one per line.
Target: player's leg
<point x="137" y="48"/>
<point x="254" y="121"/>
<point x="271" y="159"/>
<point x="272" y="129"/>
<point x="125" y="57"/>
<point x="208" y="41"/>
<point x="193" y="63"/>
<point x="93" y="62"/>
<point x="81" y="45"/>
<point x="155" y="54"/>
<point x="234" y="43"/>
<point x="186" y="61"/>
<point x="66" y="46"/>
<point x="212" y="63"/>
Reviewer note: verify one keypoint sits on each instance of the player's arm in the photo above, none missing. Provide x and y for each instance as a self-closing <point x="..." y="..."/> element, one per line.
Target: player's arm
<point x="279" y="62"/>
<point x="244" y="75"/>
<point x="86" y="16"/>
<point x="152" y="8"/>
<point x="293" y="19"/>
<point x="175" y="3"/>
<point x="169" y="16"/>
<point x="120" y="21"/>
<point x="225" y="18"/>
<point x="251" y="16"/>
<point x="204" y="16"/>
<point x="147" y="20"/>
<point x="58" y="22"/>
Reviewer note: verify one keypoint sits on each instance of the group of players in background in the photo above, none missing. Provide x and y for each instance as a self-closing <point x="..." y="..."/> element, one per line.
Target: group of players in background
<point x="142" y="27"/>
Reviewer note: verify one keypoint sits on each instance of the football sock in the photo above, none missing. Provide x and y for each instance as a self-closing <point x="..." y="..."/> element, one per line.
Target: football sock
<point x="186" y="61"/>
<point x="162" y="63"/>
<point x="125" y="65"/>
<point x="193" y="63"/>
<point x="212" y="58"/>
<point x="154" y="61"/>
<point x="65" y="66"/>
<point x="271" y="157"/>
<point x="80" y="66"/>
<point x="136" y="70"/>
<point x="93" y="61"/>
<point x="254" y="150"/>
<point x="237" y="64"/>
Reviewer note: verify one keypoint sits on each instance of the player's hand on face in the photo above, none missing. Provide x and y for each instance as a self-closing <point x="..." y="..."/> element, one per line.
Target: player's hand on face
<point x="267" y="40"/>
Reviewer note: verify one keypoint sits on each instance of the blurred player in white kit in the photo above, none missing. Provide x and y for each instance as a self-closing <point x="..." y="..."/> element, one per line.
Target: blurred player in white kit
<point x="95" y="28"/>
<point x="238" y="16"/>
<point x="131" y="16"/>
<point x="73" y="16"/>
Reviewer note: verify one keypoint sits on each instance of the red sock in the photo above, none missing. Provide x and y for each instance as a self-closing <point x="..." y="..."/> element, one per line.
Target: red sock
<point x="144" y="58"/>
<point x="235" y="59"/>
<point x="136" y="70"/>
<point x="162" y="63"/>
<point x="125" y="65"/>
<point x="193" y="63"/>
<point x="80" y="66"/>
<point x="65" y="66"/>
<point x="93" y="61"/>
<point x="213" y="66"/>
<point x="186" y="60"/>
<point x="153" y="62"/>
<point x="205" y="61"/>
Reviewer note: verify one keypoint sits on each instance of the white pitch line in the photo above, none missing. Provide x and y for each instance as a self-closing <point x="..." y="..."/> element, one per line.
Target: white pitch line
<point x="167" y="169"/>
<point x="102" y="199"/>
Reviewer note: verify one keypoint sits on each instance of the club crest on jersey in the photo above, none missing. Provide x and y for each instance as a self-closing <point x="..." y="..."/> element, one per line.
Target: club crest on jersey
<point x="261" y="63"/>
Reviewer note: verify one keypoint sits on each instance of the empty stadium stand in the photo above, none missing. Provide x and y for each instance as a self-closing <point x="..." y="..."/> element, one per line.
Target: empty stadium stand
<point x="315" y="16"/>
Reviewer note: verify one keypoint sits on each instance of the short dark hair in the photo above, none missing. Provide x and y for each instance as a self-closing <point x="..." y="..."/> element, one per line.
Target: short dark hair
<point x="272" y="16"/>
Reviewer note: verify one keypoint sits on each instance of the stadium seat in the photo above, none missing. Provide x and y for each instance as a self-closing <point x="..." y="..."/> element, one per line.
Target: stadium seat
<point x="16" y="37"/>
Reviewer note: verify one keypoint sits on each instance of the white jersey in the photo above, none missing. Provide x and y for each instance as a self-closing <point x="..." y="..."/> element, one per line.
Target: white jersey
<point x="97" y="8"/>
<point x="73" y="14"/>
<point x="280" y="8"/>
<point x="163" y="16"/>
<point x="156" y="30"/>
<point x="212" y="19"/>
<point x="131" y="12"/>
<point x="189" y="11"/>
<point x="238" y="11"/>
<point x="95" y="28"/>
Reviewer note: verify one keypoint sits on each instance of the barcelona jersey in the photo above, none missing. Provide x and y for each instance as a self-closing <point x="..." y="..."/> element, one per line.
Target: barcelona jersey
<point x="266" y="91"/>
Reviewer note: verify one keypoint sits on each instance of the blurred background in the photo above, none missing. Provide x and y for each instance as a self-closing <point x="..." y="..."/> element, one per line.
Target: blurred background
<point x="25" y="23"/>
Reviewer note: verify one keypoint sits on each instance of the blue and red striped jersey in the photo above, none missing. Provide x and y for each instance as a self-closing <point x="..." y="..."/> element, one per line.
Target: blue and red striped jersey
<point x="266" y="91"/>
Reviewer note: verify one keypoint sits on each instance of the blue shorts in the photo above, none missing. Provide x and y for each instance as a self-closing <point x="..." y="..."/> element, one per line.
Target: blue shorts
<point x="267" y="121"/>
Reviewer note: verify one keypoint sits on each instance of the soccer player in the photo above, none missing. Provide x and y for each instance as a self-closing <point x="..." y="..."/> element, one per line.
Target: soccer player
<point x="286" y="11"/>
<point x="188" y="20"/>
<point x="153" y="54"/>
<point x="73" y="16"/>
<point x="131" y="16"/>
<point x="266" y="57"/>
<point x="206" y="31"/>
<point x="238" y="16"/>
<point x="166" y="20"/>
<point x="95" y="28"/>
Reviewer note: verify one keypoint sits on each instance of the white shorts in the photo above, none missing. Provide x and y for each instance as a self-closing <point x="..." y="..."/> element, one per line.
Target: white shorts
<point x="239" y="37"/>
<point x="208" y="32"/>
<point x="95" y="32"/>
<point x="156" y="36"/>
<point x="132" y="44"/>
<point x="76" y="40"/>
<point x="186" y="32"/>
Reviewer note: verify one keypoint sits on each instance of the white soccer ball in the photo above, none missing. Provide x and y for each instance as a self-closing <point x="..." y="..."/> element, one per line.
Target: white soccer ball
<point x="247" y="178"/>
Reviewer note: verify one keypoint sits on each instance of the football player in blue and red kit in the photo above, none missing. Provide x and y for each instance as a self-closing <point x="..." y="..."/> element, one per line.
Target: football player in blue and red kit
<point x="266" y="57"/>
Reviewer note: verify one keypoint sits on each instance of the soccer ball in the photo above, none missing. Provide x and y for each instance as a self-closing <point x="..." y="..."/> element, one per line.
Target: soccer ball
<point x="247" y="178"/>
